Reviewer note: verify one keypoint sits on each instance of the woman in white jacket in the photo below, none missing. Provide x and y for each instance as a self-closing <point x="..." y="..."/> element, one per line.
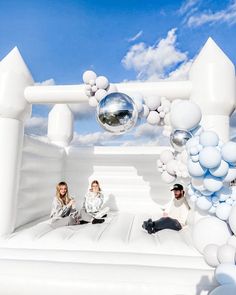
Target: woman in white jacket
<point x="93" y="206"/>
<point x="63" y="210"/>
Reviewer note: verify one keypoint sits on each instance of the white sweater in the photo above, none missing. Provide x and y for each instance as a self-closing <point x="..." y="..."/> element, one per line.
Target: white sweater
<point x="179" y="210"/>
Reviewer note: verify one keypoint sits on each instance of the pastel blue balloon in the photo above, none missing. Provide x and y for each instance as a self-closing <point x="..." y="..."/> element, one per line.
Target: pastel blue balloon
<point x="221" y="170"/>
<point x="228" y="152"/>
<point x="195" y="169"/>
<point x="223" y="210"/>
<point x="207" y="193"/>
<point x="203" y="203"/>
<point x="228" y="289"/>
<point x="210" y="157"/>
<point x="212" y="183"/>
<point x="225" y="273"/>
<point x="231" y="175"/>
<point x="224" y="193"/>
<point x="209" y="138"/>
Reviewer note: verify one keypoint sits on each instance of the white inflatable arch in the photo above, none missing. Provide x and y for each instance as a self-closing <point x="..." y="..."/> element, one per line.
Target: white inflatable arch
<point x="117" y="256"/>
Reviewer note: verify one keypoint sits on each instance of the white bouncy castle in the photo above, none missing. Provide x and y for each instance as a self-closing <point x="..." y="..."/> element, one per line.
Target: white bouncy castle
<point x="117" y="256"/>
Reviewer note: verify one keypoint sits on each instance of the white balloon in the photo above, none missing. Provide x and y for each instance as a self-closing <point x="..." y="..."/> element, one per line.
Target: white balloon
<point x="229" y="289"/>
<point x="167" y="119"/>
<point x="221" y="170"/>
<point x="195" y="158"/>
<point x="232" y="241"/>
<point x="210" y="255"/>
<point x="195" y="169"/>
<point x="162" y="114"/>
<point x="193" y="151"/>
<point x="100" y="93"/>
<point x="225" y="273"/>
<point x="92" y="82"/>
<point x="203" y="203"/>
<point x="166" y="177"/>
<point x="210" y="230"/>
<point x="231" y="175"/>
<point x="171" y="167"/>
<point x="192" y="142"/>
<point x="184" y="157"/>
<point x="223" y="211"/>
<point x="228" y="152"/>
<point x="212" y="210"/>
<point x="210" y="157"/>
<point x="166" y="156"/>
<point x="94" y="88"/>
<point x="212" y="183"/>
<point x="232" y="219"/>
<point x="93" y="102"/>
<point x="224" y="193"/>
<point x="197" y="183"/>
<point x="89" y="75"/>
<point x="226" y="254"/>
<point x="209" y="138"/>
<point x="152" y="102"/>
<point x="153" y="118"/>
<point x="185" y="115"/>
<point x="102" y="82"/>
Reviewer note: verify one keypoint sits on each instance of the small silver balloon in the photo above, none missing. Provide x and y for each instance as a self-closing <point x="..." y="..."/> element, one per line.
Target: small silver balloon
<point x="179" y="138"/>
<point x="117" y="113"/>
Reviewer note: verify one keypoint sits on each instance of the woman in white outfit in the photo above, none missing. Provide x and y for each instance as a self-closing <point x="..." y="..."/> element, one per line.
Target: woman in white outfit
<point x="63" y="210"/>
<point x="93" y="207"/>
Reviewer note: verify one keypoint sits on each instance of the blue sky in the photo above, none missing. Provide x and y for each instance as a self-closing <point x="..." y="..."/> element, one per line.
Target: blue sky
<point x="61" y="39"/>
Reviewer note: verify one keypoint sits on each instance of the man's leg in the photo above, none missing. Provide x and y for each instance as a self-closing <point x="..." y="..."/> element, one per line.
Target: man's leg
<point x="166" y="223"/>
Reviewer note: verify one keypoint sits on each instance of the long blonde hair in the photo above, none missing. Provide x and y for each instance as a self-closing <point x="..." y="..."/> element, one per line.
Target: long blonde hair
<point x="95" y="181"/>
<point x="58" y="195"/>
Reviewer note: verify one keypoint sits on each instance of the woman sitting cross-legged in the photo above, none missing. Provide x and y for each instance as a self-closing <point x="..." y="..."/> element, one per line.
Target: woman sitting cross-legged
<point x="93" y="208"/>
<point x="63" y="211"/>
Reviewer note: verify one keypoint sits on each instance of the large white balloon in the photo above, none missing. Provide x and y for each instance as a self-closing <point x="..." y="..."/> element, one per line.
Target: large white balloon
<point x="209" y="138"/>
<point x="102" y="82"/>
<point x="212" y="183"/>
<point x="228" y="152"/>
<point x="153" y="118"/>
<point x="153" y="102"/>
<point x="210" y="157"/>
<point x="203" y="203"/>
<point x="185" y="115"/>
<point x="88" y="76"/>
<point x="166" y="156"/>
<point x="229" y="289"/>
<point x="226" y="254"/>
<point x="221" y="170"/>
<point x="195" y="169"/>
<point x="210" y="255"/>
<point x="232" y="219"/>
<point x="225" y="273"/>
<point x="210" y="230"/>
<point x="167" y="177"/>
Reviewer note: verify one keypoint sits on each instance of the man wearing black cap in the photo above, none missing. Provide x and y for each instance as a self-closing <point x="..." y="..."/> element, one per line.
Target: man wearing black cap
<point x="176" y="217"/>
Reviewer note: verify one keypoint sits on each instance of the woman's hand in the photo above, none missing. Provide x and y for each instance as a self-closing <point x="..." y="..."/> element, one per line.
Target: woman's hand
<point x="72" y="203"/>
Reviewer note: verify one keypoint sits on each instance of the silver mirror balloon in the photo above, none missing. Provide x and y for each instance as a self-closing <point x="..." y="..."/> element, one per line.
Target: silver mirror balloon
<point x="117" y="113"/>
<point x="179" y="138"/>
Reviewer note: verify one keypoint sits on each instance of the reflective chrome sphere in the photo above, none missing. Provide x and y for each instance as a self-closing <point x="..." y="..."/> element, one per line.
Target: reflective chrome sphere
<point x="117" y="113"/>
<point x="179" y="138"/>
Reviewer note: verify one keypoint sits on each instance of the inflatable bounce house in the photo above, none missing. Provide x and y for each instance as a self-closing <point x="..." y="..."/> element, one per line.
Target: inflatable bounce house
<point x="118" y="256"/>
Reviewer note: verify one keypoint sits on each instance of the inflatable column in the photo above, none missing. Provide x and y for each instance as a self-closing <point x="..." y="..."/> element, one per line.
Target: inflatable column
<point x="60" y="125"/>
<point x="213" y="88"/>
<point x="14" y="110"/>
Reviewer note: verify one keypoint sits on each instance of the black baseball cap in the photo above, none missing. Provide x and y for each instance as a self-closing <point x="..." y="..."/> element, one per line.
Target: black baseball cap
<point x="178" y="187"/>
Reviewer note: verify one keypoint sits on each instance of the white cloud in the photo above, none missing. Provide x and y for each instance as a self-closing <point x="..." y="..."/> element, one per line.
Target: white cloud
<point x="187" y="5"/>
<point x="96" y="138"/>
<point x="154" y="62"/>
<point x="36" y="126"/>
<point x="196" y="18"/>
<point x="45" y="83"/>
<point x="135" y="37"/>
